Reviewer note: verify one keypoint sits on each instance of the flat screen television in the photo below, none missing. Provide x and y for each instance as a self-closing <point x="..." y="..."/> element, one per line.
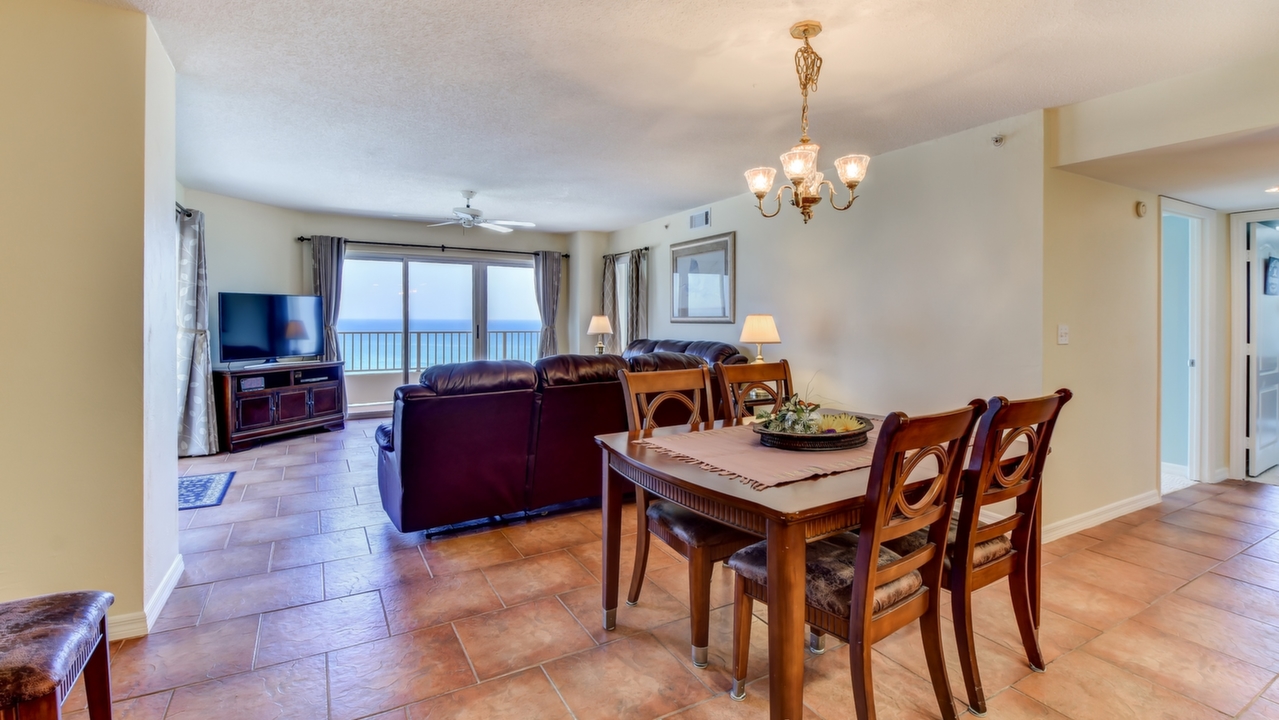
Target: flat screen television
<point x="255" y="326"/>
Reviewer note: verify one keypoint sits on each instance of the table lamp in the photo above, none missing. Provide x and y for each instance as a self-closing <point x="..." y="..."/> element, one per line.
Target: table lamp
<point x="600" y="326"/>
<point x="759" y="330"/>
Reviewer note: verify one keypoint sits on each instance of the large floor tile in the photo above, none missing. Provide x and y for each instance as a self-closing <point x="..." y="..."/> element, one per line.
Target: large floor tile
<point x="166" y="660"/>
<point x="235" y="512"/>
<point x="524" y="695"/>
<point x="1080" y="685"/>
<point x="546" y="535"/>
<point x="632" y="679"/>
<point x="295" y="691"/>
<point x="355" y="516"/>
<point x="1190" y="540"/>
<point x="718" y="673"/>
<point x="1235" y="635"/>
<point x="423" y="602"/>
<point x="399" y="670"/>
<point x="314" y="501"/>
<point x="263" y="593"/>
<point x="517" y="637"/>
<point x="1132" y="580"/>
<point x="656" y="607"/>
<point x="538" y="576"/>
<point x="207" y="539"/>
<point x="1267" y="549"/>
<point x="1236" y="596"/>
<point x="147" y="707"/>
<point x="722" y="707"/>
<point x="1240" y="513"/>
<point x="320" y="627"/>
<point x="182" y="609"/>
<point x="590" y="554"/>
<point x="898" y="692"/>
<point x="279" y="488"/>
<point x="1212" y="678"/>
<point x="1069" y="544"/>
<point x="468" y="552"/>
<point x="1251" y="569"/>
<point x="993" y="619"/>
<point x="311" y="549"/>
<point x="1262" y="709"/>
<point x="1087" y="604"/>
<point x="1000" y="667"/>
<point x="1216" y="525"/>
<point x="674" y="580"/>
<point x="1148" y="554"/>
<point x="370" y="572"/>
<point x="217" y="565"/>
<point x="1012" y="705"/>
<point x="267" y="530"/>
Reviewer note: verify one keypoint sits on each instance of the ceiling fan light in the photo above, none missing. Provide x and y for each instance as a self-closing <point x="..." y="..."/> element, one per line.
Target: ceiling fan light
<point x="798" y="165"/>
<point x="852" y="169"/>
<point x="760" y="180"/>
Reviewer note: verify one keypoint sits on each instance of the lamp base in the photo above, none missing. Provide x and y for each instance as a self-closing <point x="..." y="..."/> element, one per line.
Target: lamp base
<point x="599" y="347"/>
<point x="759" y="354"/>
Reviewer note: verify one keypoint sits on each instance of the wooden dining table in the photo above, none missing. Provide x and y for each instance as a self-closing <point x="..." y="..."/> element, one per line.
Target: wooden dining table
<point x="787" y="516"/>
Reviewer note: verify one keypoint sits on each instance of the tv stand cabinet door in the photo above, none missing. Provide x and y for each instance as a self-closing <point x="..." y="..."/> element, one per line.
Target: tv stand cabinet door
<point x="254" y="412"/>
<point x="326" y="401"/>
<point x="293" y="406"/>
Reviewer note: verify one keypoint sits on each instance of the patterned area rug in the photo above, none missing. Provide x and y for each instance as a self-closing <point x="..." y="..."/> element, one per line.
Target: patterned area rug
<point x="200" y="491"/>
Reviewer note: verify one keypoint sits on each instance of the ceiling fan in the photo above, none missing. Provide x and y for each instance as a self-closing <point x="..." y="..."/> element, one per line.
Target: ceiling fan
<point x="469" y="217"/>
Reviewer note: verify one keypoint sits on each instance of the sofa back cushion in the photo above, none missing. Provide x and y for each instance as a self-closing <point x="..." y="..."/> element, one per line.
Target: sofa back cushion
<point x="709" y="350"/>
<point x="581" y="397"/>
<point x="461" y="443"/>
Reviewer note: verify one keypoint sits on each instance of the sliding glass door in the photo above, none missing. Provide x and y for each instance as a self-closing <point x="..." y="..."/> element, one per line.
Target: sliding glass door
<point x="401" y="314"/>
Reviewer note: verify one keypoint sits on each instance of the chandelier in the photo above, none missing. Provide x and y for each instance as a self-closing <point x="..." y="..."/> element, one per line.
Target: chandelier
<point x="800" y="163"/>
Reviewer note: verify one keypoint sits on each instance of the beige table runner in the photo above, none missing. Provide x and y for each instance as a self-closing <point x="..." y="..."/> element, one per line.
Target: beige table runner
<point x="736" y="452"/>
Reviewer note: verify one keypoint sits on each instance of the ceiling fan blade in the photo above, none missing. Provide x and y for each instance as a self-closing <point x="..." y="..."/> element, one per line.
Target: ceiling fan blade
<point x="446" y="222"/>
<point x="513" y="223"/>
<point x="492" y="226"/>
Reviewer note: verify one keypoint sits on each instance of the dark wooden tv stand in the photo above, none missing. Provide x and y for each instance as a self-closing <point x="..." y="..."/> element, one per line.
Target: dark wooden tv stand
<point x="263" y="403"/>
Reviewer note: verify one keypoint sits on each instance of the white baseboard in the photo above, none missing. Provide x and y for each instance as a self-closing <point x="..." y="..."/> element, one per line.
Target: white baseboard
<point x="1083" y="521"/>
<point x="130" y="625"/>
<point x="138" y="624"/>
<point x="1221" y="474"/>
<point x="1178" y="470"/>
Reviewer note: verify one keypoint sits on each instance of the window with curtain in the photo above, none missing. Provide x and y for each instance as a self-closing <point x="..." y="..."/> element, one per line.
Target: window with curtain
<point x="623" y="307"/>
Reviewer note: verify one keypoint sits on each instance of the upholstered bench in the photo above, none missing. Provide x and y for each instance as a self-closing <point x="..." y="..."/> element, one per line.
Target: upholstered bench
<point x="45" y="643"/>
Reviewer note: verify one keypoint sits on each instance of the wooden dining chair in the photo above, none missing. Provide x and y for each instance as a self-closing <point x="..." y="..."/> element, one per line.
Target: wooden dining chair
<point x="859" y="590"/>
<point x="702" y="541"/>
<point x="738" y="382"/>
<point x="980" y="553"/>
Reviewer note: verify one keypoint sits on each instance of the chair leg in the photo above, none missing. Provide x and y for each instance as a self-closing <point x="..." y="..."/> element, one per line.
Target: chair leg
<point x="1019" y="587"/>
<point x="641" y="546"/>
<point x="859" y="655"/>
<point x="41" y="708"/>
<point x="742" y="618"/>
<point x="816" y="641"/>
<point x="97" y="679"/>
<point x="930" y="627"/>
<point x="700" y="566"/>
<point x="961" y="603"/>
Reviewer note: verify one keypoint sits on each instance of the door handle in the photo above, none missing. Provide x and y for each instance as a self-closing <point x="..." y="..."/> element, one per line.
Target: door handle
<point x="1192" y="363"/>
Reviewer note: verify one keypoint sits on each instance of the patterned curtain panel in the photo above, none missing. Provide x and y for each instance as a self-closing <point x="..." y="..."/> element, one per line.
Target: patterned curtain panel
<point x="546" y="285"/>
<point x="608" y="304"/>
<point x="197" y="421"/>
<point x="637" y="295"/>
<point x="327" y="253"/>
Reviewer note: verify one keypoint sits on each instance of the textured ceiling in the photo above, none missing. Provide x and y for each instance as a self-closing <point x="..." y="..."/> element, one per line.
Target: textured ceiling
<point x="1229" y="173"/>
<point x="590" y="114"/>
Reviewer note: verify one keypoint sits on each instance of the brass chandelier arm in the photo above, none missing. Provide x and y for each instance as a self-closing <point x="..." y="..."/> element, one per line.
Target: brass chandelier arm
<point x="831" y="197"/>
<point x="759" y="201"/>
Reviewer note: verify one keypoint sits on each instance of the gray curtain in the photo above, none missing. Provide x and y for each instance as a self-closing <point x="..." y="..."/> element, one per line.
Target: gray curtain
<point x="546" y="285"/>
<point x="608" y="304"/>
<point x="637" y="295"/>
<point x="197" y="421"/>
<point x="327" y="253"/>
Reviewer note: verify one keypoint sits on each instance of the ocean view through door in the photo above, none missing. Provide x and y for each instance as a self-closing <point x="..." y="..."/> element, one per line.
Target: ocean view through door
<point x="402" y="314"/>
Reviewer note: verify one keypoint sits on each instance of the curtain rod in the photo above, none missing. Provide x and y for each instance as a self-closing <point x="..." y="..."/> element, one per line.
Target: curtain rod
<point x="181" y="209"/>
<point x="441" y="248"/>
<point x="628" y="252"/>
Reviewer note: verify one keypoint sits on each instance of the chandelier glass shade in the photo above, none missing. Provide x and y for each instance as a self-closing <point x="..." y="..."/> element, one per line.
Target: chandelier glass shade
<point x="799" y="164"/>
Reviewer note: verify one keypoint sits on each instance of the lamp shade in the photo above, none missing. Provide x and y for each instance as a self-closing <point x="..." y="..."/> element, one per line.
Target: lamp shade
<point x="600" y="326"/>
<point x="760" y="330"/>
<point x="852" y="168"/>
<point x="760" y="180"/>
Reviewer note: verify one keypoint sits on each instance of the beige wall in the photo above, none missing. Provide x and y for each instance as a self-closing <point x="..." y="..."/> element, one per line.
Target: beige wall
<point x="585" y="274"/>
<point x="159" y="260"/>
<point x="923" y="296"/>
<point x="76" y="307"/>
<point x="1101" y="275"/>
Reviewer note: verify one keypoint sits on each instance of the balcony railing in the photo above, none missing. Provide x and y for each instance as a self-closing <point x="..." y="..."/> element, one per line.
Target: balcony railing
<point x="384" y="351"/>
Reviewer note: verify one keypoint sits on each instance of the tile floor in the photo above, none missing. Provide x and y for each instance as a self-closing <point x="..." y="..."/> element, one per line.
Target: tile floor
<point x="300" y="601"/>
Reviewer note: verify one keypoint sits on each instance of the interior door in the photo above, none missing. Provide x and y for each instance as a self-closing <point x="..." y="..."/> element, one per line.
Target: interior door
<point x="1263" y="306"/>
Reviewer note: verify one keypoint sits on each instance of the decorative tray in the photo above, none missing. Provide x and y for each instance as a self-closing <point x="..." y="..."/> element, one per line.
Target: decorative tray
<point x="815" y="442"/>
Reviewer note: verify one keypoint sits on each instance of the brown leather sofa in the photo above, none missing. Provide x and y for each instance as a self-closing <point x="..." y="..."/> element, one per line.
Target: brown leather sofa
<point x="483" y="439"/>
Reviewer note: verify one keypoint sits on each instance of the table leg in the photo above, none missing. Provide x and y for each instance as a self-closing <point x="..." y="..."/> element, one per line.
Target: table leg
<point x="785" y="620"/>
<point x="614" y="486"/>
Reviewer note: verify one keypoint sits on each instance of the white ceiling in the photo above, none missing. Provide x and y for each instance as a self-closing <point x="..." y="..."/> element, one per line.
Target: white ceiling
<point x="1229" y="173"/>
<point x="581" y="114"/>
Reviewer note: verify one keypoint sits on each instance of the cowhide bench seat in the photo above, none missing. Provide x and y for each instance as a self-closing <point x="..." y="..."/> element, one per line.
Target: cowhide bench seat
<point x="45" y="643"/>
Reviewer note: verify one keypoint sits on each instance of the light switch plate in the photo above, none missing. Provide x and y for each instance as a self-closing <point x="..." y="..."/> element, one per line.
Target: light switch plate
<point x="1063" y="334"/>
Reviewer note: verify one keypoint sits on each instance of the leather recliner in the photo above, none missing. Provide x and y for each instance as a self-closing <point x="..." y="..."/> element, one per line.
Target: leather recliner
<point x="708" y="350"/>
<point x="487" y="438"/>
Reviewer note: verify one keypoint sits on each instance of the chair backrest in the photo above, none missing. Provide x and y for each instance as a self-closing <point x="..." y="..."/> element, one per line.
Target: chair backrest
<point x="738" y="381"/>
<point x="646" y="392"/>
<point x="913" y="481"/>
<point x="992" y="476"/>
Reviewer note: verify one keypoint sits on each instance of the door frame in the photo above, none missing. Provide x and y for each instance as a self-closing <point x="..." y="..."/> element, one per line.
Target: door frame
<point x="1240" y="348"/>
<point x="1202" y="290"/>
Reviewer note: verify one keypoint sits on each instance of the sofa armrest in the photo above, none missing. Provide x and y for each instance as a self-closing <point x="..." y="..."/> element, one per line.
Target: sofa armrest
<point x="385" y="437"/>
